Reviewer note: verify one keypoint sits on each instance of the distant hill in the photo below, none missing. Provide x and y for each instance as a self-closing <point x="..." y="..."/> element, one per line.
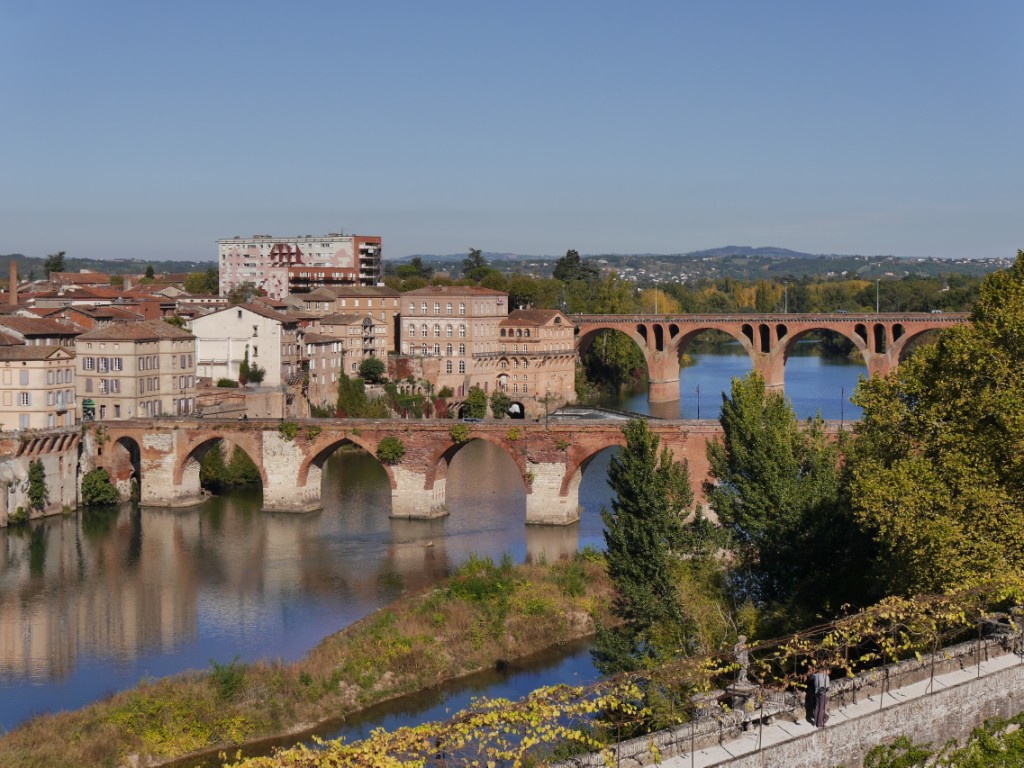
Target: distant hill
<point x="31" y="267"/>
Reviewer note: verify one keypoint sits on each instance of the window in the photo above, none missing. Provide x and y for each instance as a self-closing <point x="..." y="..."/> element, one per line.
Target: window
<point x="448" y="367"/>
<point x="448" y="351"/>
<point x="462" y="331"/>
<point x="412" y="307"/>
<point x="117" y="411"/>
<point x="462" y="366"/>
<point x="462" y="349"/>
<point x="515" y="363"/>
<point x="437" y="349"/>
<point x="462" y="307"/>
<point x="24" y="421"/>
<point x="116" y="364"/>
<point x="526" y="363"/>
<point x="423" y="331"/>
<point x="448" y="331"/>
<point x="437" y="308"/>
<point x="24" y="398"/>
<point x="49" y="377"/>
<point x="24" y="377"/>
<point x="437" y="331"/>
<point x="448" y="308"/>
<point x="423" y="307"/>
<point x="504" y="365"/>
<point x="103" y="363"/>
<point x="88" y="385"/>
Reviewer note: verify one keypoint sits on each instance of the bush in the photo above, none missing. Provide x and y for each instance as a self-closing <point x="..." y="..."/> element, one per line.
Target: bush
<point x="38" y="493"/>
<point x="500" y="403"/>
<point x="229" y="383"/>
<point x="459" y="433"/>
<point x="372" y="369"/>
<point x="227" y="679"/>
<point x="97" y="490"/>
<point x="18" y="516"/>
<point x="288" y="430"/>
<point x="390" y="450"/>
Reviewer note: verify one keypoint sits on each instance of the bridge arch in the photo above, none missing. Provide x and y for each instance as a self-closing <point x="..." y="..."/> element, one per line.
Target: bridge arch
<point x="325" y="445"/>
<point x="580" y="459"/>
<point x="124" y="465"/>
<point x="906" y="343"/>
<point x="186" y="471"/>
<point x="441" y="459"/>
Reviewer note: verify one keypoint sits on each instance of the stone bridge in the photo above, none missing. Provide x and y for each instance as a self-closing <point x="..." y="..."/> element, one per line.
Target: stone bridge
<point x="882" y="339"/>
<point x="164" y="455"/>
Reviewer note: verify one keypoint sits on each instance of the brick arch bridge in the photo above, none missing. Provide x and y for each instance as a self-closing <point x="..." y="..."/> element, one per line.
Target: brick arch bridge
<point x="551" y="458"/>
<point x="882" y="339"/>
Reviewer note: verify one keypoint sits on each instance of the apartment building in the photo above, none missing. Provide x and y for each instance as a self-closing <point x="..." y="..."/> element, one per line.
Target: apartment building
<point x="128" y="370"/>
<point x="361" y="336"/>
<point x="281" y="266"/>
<point x="37" y="387"/>
<point x="536" y="356"/>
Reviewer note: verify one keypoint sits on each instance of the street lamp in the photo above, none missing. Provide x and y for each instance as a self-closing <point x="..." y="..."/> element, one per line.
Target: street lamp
<point x="547" y="401"/>
<point x="698" y="402"/>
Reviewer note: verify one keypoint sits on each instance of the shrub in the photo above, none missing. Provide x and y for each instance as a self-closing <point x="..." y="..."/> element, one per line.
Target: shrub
<point x="313" y="432"/>
<point x="500" y="403"/>
<point x="446" y="392"/>
<point x="288" y="430"/>
<point x="227" y="679"/>
<point x="562" y="445"/>
<point x="97" y="490"/>
<point x="372" y="369"/>
<point x="38" y="493"/>
<point x="18" y="516"/>
<point x="459" y="433"/>
<point x="228" y="383"/>
<point x="514" y="434"/>
<point x="390" y="450"/>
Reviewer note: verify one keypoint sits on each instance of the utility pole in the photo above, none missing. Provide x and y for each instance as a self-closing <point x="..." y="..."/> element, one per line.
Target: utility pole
<point x="877" y="283"/>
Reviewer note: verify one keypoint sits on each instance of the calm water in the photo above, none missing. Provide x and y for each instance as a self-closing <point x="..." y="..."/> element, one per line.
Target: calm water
<point x="92" y="603"/>
<point x="814" y="384"/>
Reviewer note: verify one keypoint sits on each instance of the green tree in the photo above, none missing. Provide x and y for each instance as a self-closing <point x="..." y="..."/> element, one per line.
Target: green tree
<point x="778" y="490"/>
<point x="373" y="369"/>
<point x="243" y="369"/>
<point x="243" y="293"/>
<point x="97" y="490"/>
<point x="500" y="403"/>
<point x="415" y="268"/>
<point x="54" y="263"/>
<point x="476" y="403"/>
<point x="475" y="266"/>
<point x="38" y="493"/>
<point x="645" y="543"/>
<point x="203" y="283"/>
<point x="149" y="271"/>
<point x="571" y="267"/>
<point x="390" y="450"/>
<point x="938" y="461"/>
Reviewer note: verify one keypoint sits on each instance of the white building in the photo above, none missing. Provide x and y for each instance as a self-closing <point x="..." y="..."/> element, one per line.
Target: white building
<point x="282" y="265"/>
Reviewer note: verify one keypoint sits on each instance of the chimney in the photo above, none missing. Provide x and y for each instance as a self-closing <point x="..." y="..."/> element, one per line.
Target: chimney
<point x="12" y="285"/>
<point x="127" y="283"/>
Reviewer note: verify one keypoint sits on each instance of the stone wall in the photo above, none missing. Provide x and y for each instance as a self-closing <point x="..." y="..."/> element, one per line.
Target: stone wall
<point x="57" y="449"/>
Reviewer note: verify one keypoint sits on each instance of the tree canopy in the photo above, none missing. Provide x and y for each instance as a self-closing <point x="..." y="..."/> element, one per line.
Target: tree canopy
<point x="571" y="267"/>
<point x="938" y="465"/>
<point x="54" y="262"/>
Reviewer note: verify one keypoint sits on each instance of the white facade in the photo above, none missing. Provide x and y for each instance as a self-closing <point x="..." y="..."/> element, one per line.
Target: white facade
<point x="223" y="337"/>
<point x="268" y="261"/>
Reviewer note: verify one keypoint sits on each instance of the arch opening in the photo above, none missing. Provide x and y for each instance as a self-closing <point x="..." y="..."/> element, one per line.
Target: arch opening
<point x="709" y="359"/>
<point x="461" y="466"/>
<point x="350" y="477"/>
<point x="914" y="343"/>
<point x="222" y="467"/>
<point x="613" y="358"/>
<point x="125" y="468"/>
<point x="822" y="370"/>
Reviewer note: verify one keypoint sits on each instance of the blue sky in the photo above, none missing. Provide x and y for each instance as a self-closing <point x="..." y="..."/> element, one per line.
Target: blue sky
<point x="150" y="129"/>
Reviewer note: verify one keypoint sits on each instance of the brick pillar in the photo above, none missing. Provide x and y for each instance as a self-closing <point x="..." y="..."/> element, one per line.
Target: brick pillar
<point x="544" y="504"/>
<point x="410" y="498"/>
<point x="282" y="460"/>
<point x="772" y="366"/>
<point x="663" y="376"/>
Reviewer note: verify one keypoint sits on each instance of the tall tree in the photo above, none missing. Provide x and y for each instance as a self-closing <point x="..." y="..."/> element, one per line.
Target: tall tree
<point x="938" y="463"/>
<point x="54" y="263"/>
<point x="571" y="267"/>
<point x="778" y="490"/>
<point x="645" y="543"/>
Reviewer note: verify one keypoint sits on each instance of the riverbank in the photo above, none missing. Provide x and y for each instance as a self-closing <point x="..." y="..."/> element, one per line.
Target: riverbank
<point x="482" y="615"/>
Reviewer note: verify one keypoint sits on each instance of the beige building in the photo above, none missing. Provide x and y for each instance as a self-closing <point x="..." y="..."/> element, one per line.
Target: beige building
<point x="383" y="304"/>
<point x="132" y="370"/>
<point x="361" y="336"/>
<point x="325" y="357"/>
<point x="37" y="387"/>
<point x="536" y="357"/>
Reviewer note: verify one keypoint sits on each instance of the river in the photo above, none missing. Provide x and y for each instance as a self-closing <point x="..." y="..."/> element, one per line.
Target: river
<point x="91" y="603"/>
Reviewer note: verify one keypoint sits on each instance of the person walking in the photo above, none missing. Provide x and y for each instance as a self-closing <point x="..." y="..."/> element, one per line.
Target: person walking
<point x="821" y="682"/>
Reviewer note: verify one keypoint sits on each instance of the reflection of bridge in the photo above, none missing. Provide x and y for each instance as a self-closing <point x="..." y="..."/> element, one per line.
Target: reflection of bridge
<point x="165" y="453"/>
<point x="882" y="339"/>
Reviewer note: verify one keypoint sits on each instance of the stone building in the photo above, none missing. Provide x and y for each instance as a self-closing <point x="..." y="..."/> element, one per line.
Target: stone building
<point x="361" y="336"/>
<point x="128" y="370"/>
<point x="380" y="302"/>
<point x="536" y="357"/>
<point x="37" y="387"/>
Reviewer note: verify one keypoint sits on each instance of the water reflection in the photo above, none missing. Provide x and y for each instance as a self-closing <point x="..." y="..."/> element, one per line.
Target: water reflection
<point x="91" y="603"/>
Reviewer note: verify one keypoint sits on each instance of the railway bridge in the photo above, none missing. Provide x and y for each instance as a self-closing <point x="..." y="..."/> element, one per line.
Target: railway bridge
<point x="881" y="338"/>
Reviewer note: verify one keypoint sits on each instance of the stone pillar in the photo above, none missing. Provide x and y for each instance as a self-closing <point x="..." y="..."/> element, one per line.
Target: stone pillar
<point x="544" y="504"/>
<point x="663" y="376"/>
<point x="282" y="460"/>
<point x="772" y="367"/>
<point x="159" y="457"/>
<point x="410" y="498"/>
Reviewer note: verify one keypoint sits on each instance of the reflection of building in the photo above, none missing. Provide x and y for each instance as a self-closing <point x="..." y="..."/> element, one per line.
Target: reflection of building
<point x="128" y="370"/>
<point x="281" y="266"/>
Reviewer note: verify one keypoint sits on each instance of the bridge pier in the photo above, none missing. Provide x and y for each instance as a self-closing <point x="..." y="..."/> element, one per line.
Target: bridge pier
<point x="772" y="367"/>
<point x="544" y="504"/>
<point x="663" y="373"/>
<point x="282" y="460"/>
<point x="411" y="499"/>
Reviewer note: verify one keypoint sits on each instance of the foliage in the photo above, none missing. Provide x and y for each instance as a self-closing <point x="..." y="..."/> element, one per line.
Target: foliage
<point x="777" y="489"/>
<point x="446" y="392"/>
<point x="97" y="490"/>
<point x="996" y="744"/>
<point x="475" y="266"/>
<point x="203" y="283"/>
<point x="149" y="271"/>
<point x="390" y="450"/>
<point x="571" y="267"/>
<point x="938" y="463"/>
<point x="38" y="493"/>
<point x="18" y="516"/>
<point x="645" y="541"/>
<point x="227" y="383"/>
<point x="288" y="430"/>
<point x="227" y="679"/>
<point x="243" y="369"/>
<point x="353" y="402"/>
<point x="476" y="403"/>
<point x="459" y="433"/>
<point x="513" y="434"/>
<point x="372" y="369"/>
<point x="176" y="320"/>
<point x="415" y="268"/>
<point x="312" y="433"/>
<point x="117" y="281"/>
<point x="54" y="263"/>
<point x="243" y="293"/>
<point x="500" y="403"/>
<point x="217" y="471"/>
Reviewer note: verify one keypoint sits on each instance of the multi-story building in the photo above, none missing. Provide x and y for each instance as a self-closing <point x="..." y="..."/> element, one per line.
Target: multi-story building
<point x="378" y="301"/>
<point x="326" y="360"/>
<point x="273" y="341"/>
<point x="40" y="331"/>
<point x="37" y="387"/>
<point x="128" y="370"/>
<point x="361" y="337"/>
<point x="451" y="324"/>
<point x="283" y="265"/>
<point x="536" y="356"/>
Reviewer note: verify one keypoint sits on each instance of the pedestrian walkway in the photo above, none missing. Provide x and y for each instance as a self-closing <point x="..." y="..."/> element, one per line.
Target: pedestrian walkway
<point x="788" y="728"/>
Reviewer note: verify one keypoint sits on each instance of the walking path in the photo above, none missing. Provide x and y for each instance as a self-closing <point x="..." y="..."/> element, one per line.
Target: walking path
<point x="785" y="729"/>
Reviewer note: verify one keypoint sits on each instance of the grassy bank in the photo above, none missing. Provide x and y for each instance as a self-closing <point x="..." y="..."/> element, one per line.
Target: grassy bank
<point x="483" y="614"/>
